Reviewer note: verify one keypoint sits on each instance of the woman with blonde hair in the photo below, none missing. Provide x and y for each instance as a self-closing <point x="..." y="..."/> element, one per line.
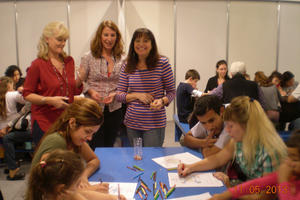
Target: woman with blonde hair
<point x="255" y="145"/>
<point x="100" y="69"/>
<point x="71" y="131"/>
<point x="50" y="82"/>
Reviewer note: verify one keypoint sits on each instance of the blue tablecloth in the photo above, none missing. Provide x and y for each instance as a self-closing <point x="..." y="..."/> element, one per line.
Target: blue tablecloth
<point x="114" y="162"/>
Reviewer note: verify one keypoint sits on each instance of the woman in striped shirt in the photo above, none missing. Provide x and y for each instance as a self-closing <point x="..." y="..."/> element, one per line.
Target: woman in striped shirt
<point x="147" y="85"/>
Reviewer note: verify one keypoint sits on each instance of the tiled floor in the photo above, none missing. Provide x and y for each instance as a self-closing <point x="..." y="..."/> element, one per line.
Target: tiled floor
<point x="15" y="190"/>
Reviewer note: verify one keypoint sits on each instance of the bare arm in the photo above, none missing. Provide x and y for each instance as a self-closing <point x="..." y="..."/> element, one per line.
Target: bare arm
<point x="211" y="162"/>
<point x="291" y="99"/>
<point x="56" y="101"/>
<point x="196" y="143"/>
<point x="208" y="151"/>
<point x="92" y="161"/>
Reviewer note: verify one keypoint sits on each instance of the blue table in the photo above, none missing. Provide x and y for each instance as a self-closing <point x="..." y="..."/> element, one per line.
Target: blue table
<point x="114" y="162"/>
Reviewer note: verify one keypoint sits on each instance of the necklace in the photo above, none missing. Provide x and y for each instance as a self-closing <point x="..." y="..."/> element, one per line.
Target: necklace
<point x="61" y="82"/>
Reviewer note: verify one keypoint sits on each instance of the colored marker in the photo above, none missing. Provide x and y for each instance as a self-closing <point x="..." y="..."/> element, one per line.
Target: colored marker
<point x="131" y="168"/>
<point x="170" y="191"/>
<point x="138" y="168"/>
<point x="138" y="175"/>
<point x="171" y="169"/>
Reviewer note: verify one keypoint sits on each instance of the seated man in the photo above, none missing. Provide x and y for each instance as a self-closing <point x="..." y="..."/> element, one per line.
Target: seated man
<point x="208" y="134"/>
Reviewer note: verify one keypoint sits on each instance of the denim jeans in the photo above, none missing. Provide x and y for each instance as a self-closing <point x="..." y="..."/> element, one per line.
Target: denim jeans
<point x="9" y="141"/>
<point x="151" y="138"/>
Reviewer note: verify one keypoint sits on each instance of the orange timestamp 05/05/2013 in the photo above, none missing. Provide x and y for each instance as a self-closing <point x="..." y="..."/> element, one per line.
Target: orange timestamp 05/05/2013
<point x="268" y="189"/>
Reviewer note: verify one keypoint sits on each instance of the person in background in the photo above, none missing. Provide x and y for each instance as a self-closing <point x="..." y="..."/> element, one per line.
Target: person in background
<point x="285" y="182"/>
<point x="271" y="94"/>
<point x="220" y="77"/>
<point x="57" y="177"/>
<point x="238" y="86"/>
<point x="209" y="133"/>
<point x="50" y="82"/>
<point x="275" y="78"/>
<point x="147" y="85"/>
<point x="15" y="73"/>
<point x="8" y="112"/>
<point x="290" y="109"/>
<point x="100" y="69"/>
<point x="71" y="131"/>
<point x="251" y="147"/>
<point x="185" y="93"/>
<point x="288" y="83"/>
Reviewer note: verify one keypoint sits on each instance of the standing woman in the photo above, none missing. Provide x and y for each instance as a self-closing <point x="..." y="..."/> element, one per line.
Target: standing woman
<point x="50" y="82"/>
<point x="100" y="69"/>
<point x="147" y="86"/>
<point x="220" y="77"/>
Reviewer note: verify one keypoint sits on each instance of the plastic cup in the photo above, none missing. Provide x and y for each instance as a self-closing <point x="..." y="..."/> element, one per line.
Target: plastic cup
<point x="138" y="148"/>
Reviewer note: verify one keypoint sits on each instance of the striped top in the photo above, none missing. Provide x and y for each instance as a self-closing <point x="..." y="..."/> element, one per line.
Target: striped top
<point x="159" y="82"/>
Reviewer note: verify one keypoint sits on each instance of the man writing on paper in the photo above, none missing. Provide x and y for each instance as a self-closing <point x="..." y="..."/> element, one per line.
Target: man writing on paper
<point x="208" y="134"/>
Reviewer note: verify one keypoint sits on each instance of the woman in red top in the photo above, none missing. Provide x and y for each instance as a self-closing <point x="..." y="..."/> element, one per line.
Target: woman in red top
<point x="50" y="83"/>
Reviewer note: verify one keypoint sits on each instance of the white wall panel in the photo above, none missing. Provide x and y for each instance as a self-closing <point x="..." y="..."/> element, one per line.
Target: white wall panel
<point x="253" y="35"/>
<point x="85" y="17"/>
<point x="8" y="36"/>
<point x="201" y="38"/>
<point x="158" y="17"/>
<point x="33" y="16"/>
<point x="289" y="45"/>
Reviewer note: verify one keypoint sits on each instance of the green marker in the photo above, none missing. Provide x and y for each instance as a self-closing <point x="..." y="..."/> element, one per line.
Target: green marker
<point x="170" y="191"/>
<point x="138" y="168"/>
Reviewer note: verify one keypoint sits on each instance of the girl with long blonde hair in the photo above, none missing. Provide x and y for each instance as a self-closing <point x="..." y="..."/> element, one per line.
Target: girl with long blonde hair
<point x="255" y="145"/>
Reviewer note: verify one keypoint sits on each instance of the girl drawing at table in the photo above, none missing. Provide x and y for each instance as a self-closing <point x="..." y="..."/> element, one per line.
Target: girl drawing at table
<point x="255" y="147"/>
<point x="71" y="131"/>
<point x="58" y="176"/>
<point x="285" y="182"/>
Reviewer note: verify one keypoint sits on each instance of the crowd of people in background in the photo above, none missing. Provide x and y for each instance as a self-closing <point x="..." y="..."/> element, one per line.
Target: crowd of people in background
<point x="234" y="121"/>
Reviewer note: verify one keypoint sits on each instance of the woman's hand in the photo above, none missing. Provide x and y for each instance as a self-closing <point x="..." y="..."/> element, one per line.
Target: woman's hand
<point x="157" y="104"/>
<point x="121" y="197"/>
<point x="84" y="183"/>
<point x="58" y="101"/>
<point x="223" y="196"/>
<point x="222" y="177"/>
<point x="101" y="187"/>
<point x="145" y="98"/>
<point x="95" y="95"/>
<point x="109" y="98"/>
<point x="183" y="169"/>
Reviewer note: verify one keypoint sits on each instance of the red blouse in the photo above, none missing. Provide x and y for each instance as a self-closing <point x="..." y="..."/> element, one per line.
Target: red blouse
<point x="42" y="79"/>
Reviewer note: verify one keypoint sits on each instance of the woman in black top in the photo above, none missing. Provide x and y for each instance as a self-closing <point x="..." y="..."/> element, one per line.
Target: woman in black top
<point x="220" y="77"/>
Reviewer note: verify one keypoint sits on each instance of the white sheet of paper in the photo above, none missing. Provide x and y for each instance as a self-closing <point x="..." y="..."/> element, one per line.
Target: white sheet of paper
<point x="203" y="196"/>
<point x="205" y="179"/>
<point x="172" y="161"/>
<point x="126" y="189"/>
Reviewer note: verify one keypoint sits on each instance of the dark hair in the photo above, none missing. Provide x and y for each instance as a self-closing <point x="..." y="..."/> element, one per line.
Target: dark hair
<point x="10" y="70"/>
<point x="96" y="43"/>
<point x="286" y="76"/>
<point x="205" y="103"/>
<point x="133" y="58"/>
<point x="193" y="74"/>
<point x="294" y="140"/>
<point x="60" y="167"/>
<point x="275" y="74"/>
<point x="222" y="62"/>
